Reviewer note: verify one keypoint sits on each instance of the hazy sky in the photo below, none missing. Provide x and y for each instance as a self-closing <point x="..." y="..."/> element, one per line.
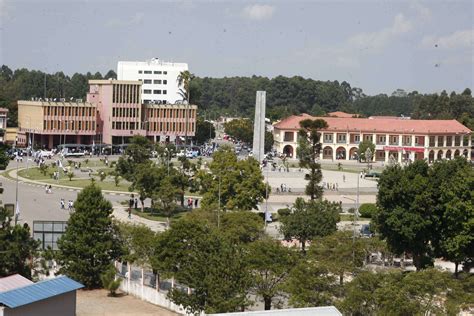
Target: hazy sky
<point x="376" y="45"/>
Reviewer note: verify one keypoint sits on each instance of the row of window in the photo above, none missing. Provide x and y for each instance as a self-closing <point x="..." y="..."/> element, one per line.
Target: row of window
<point x="125" y="125"/>
<point x="155" y="101"/>
<point x="155" y="72"/>
<point x="148" y="91"/>
<point x="69" y="125"/>
<point x="392" y="139"/>
<point x="126" y="93"/>
<point x="163" y="127"/>
<point x="69" y="110"/>
<point x="125" y="112"/>
<point x="150" y="81"/>
<point x="171" y="113"/>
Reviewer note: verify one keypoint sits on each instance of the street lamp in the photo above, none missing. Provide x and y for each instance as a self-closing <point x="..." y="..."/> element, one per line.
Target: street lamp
<point x="16" y="191"/>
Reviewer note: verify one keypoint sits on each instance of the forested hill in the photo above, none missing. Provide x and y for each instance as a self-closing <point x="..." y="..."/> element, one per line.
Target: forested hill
<point x="235" y="96"/>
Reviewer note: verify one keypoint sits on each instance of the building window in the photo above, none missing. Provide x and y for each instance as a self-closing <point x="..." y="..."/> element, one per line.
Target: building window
<point x="157" y="81"/>
<point x="457" y="140"/>
<point x="156" y="91"/>
<point x="327" y="138"/>
<point x="147" y="72"/>
<point x="357" y="139"/>
<point x="140" y="71"/>
<point x="165" y="81"/>
<point x="432" y="141"/>
<point x="289" y="137"/>
<point x="165" y="72"/>
<point x="449" y="141"/>
<point x="381" y="140"/>
<point x="440" y="141"/>
<point x="164" y="91"/>
<point x="341" y="138"/>
<point x="146" y="91"/>
<point x="147" y="81"/>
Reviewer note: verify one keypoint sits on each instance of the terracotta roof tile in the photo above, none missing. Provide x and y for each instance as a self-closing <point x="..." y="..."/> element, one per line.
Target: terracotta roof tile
<point x="382" y="125"/>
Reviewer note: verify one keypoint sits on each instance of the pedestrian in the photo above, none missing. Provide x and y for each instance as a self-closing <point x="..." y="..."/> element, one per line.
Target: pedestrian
<point x="69" y="205"/>
<point x="131" y="201"/>
<point x="337" y="186"/>
<point x="343" y="178"/>
<point x="46" y="188"/>
<point x="62" y="204"/>
<point x="130" y="213"/>
<point x="136" y="203"/>
<point x="196" y="201"/>
<point x="49" y="189"/>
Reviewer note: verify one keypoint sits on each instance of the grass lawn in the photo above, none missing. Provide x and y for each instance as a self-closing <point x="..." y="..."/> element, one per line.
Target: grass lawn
<point x="158" y="215"/>
<point x="37" y="175"/>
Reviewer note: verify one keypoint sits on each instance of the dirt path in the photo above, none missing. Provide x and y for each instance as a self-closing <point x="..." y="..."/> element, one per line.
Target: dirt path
<point x="96" y="302"/>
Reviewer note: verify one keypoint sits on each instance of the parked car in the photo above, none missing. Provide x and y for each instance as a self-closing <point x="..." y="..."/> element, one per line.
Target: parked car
<point x="365" y="231"/>
<point x="373" y="174"/>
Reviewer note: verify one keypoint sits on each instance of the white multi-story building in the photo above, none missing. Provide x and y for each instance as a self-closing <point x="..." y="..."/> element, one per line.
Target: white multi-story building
<point x="159" y="79"/>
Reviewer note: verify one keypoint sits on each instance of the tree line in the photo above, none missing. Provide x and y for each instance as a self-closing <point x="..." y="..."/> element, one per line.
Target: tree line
<point x="235" y="96"/>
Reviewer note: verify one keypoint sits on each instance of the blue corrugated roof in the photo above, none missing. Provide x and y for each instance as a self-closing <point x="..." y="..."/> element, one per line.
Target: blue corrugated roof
<point x="38" y="291"/>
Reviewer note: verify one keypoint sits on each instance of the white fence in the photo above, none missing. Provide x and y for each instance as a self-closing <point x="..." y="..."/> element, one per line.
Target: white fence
<point x="141" y="284"/>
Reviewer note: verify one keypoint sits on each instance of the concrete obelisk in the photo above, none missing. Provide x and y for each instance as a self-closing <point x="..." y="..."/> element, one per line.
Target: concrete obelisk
<point x="259" y="127"/>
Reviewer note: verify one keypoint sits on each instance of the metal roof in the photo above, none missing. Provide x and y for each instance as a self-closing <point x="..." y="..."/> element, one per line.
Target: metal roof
<point x="12" y="282"/>
<point x="307" y="311"/>
<point x="38" y="291"/>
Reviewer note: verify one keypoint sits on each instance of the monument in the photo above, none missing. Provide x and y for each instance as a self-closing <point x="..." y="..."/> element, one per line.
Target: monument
<point x="259" y="127"/>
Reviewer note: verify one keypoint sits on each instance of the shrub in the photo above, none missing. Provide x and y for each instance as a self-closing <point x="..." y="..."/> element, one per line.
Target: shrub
<point x="44" y="169"/>
<point x="367" y="210"/>
<point x="284" y="212"/>
<point x="70" y="175"/>
<point x="109" y="282"/>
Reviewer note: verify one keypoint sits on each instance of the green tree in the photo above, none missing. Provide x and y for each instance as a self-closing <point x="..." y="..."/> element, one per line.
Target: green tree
<point x="310" y="284"/>
<point x="109" y="282"/>
<point x="309" y="220"/>
<point x="197" y="255"/>
<point x="166" y="195"/>
<point x="238" y="183"/>
<point x="241" y="129"/>
<point x="363" y="146"/>
<point x="270" y="263"/>
<point x="17" y="248"/>
<point x="4" y="159"/>
<point x="242" y="226"/>
<point x="309" y="150"/>
<point x="338" y="253"/>
<point x="90" y="242"/>
<point x="268" y="141"/>
<point x="139" y="241"/>
<point x="137" y="153"/>
<point x="405" y="214"/>
<point x="205" y="131"/>
<point x="454" y="208"/>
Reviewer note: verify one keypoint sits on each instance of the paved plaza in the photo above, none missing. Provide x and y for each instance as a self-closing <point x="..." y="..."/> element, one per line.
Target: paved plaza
<point x="35" y="204"/>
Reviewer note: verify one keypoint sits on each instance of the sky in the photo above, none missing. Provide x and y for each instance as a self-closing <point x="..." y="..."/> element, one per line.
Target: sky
<point x="379" y="46"/>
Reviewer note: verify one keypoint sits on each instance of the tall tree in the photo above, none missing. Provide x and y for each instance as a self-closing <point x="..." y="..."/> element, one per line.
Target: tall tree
<point x="339" y="253"/>
<point x="237" y="184"/>
<point x="270" y="263"/>
<point x="309" y="220"/>
<point x="17" y="248"/>
<point x="91" y="242"/>
<point x="309" y="150"/>
<point x="196" y="254"/>
<point x="240" y="129"/>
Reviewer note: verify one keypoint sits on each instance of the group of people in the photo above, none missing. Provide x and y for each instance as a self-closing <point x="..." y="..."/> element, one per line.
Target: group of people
<point x="283" y="188"/>
<point x="70" y="204"/>
<point x="331" y="186"/>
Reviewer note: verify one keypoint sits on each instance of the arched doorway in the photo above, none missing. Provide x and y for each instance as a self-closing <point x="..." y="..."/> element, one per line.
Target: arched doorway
<point x="440" y="155"/>
<point x="456" y="153"/>
<point x="340" y="153"/>
<point x="354" y="153"/>
<point x="288" y="151"/>
<point x="448" y="154"/>
<point x="431" y="156"/>
<point x="327" y="152"/>
<point x="465" y="153"/>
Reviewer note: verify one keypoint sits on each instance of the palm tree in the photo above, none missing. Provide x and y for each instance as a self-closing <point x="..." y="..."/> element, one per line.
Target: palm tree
<point x="184" y="79"/>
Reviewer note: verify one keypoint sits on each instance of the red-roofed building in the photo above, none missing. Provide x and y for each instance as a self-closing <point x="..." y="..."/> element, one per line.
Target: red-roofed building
<point x="401" y="139"/>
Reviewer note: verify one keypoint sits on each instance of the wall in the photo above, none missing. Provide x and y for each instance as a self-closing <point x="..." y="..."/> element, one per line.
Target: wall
<point x="64" y="305"/>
